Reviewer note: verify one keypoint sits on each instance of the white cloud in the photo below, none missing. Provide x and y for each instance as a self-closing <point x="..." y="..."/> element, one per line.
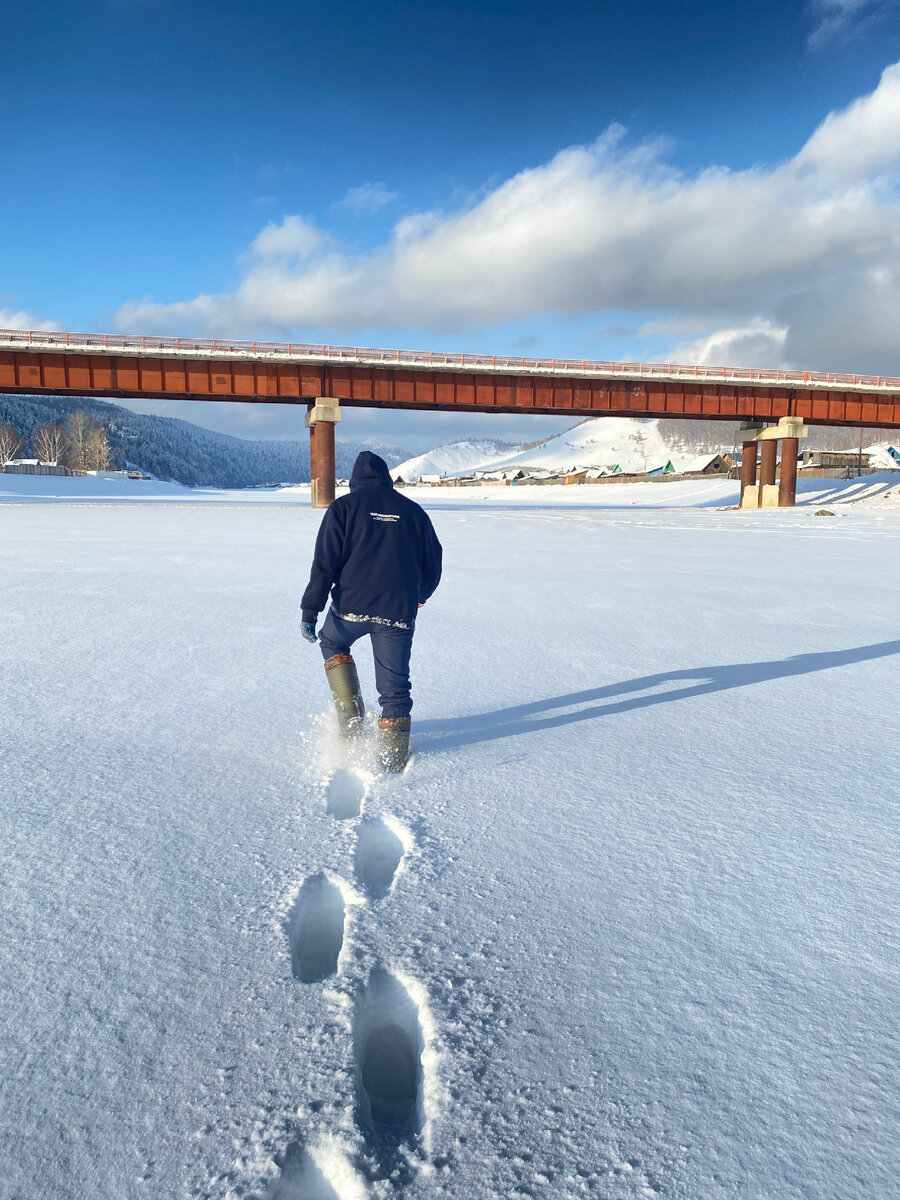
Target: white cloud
<point x="10" y="319"/>
<point x="294" y="238"/>
<point x="759" y="344"/>
<point x="860" y="141"/>
<point x="833" y="16"/>
<point x="367" y="198"/>
<point x="600" y="227"/>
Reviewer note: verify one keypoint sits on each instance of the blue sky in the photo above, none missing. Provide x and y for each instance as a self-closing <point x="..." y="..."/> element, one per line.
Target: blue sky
<point x="594" y="180"/>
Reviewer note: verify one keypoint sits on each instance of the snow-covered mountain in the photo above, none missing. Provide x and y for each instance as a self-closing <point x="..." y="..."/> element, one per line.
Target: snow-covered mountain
<point x="633" y="443"/>
<point x="169" y="448"/>
<point x="454" y="458"/>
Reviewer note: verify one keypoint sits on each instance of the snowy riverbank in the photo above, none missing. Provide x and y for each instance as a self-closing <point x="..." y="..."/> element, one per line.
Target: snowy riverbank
<point x="633" y="904"/>
<point x="687" y="493"/>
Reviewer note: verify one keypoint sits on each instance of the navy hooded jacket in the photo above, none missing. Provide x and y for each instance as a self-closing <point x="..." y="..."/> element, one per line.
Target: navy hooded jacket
<point x="376" y="551"/>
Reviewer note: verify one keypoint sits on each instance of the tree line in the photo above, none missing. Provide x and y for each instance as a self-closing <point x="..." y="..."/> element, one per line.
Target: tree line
<point x="80" y="444"/>
<point x="171" y="448"/>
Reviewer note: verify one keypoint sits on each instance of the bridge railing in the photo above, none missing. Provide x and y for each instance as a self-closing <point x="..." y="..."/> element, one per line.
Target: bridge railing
<point x="118" y="343"/>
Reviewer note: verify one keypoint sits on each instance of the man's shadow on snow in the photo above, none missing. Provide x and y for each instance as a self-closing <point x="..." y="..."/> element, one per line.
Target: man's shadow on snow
<point x="699" y="681"/>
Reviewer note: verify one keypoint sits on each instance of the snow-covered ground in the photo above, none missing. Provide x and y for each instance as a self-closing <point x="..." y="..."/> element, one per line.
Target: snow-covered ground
<point x="883" y="487"/>
<point x="626" y="927"/>
<point x="686" y="493"/>
<point x="90" y="487"/>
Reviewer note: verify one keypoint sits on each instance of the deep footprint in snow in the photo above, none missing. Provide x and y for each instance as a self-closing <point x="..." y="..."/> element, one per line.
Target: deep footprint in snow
<point x="346" y="792"/>
<point x="316" y="929"/>
<point x="378" y="855"/>
<point x="387" y="1045"/>
<point x="301" y="1179"/>
<point x="322" y="1172"/>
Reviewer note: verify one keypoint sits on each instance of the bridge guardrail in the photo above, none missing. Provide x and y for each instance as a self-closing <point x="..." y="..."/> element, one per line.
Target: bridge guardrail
<point x="118" y="343"/>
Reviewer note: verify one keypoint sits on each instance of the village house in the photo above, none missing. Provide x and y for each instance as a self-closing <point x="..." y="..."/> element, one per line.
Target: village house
<point x="666" y="468"/>
<point x="33" y="466"/>
<point x="833" y="460"/>
<point x="709" y="464"/>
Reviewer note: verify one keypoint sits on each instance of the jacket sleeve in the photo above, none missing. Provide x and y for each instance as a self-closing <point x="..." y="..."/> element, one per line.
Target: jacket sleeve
<point x="328" y="558"/>
<point x="432" y="557"/>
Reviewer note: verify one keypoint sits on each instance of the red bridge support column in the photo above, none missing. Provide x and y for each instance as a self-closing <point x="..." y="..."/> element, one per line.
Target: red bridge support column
<point x="748" y="467"/>
<point x="787" y="491"/>
<point x="321" y="420"/>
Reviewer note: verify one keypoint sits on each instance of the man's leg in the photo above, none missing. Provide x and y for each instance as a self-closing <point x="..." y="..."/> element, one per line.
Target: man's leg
<point x="335" y="640"/>
<point x="392" y="648"/>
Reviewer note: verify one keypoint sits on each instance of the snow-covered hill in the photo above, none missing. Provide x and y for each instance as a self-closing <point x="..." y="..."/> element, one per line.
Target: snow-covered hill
<point x="454" y="458"/>
<point x="634" y="444"/>
<point x="882" y="455"/>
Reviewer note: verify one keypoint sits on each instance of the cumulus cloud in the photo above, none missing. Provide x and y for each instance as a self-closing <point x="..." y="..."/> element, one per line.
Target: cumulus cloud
<point x="601" y="227"/>
<point x="10" y="319"/>
<point x="293" y="239"/>
<point x="759" y="344"/>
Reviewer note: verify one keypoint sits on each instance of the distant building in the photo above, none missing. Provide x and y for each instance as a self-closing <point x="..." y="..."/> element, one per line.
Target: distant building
<point x="709" y="464"/>
<point x="33" y="466"/>
<point x="667" y="468"/>
<point x="832" y="460"/>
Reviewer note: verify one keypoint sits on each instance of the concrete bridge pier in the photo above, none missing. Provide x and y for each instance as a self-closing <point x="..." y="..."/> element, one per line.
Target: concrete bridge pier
<point x="320" y="421"/>
<point x="763" y="440"/>
<point x="746" y="439"/>
<point x="768" y="466"/>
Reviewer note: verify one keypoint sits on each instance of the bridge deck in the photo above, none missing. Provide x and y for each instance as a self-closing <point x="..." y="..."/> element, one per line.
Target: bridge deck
<point x="122" y="366"/>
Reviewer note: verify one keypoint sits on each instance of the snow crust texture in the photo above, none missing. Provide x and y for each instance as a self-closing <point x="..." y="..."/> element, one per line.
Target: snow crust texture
<point x="625" y="927"/>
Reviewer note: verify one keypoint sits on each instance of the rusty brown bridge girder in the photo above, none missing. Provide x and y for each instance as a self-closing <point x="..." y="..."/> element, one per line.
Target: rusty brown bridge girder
<point x="123" y="367"/>
<point x="120" y="376"/>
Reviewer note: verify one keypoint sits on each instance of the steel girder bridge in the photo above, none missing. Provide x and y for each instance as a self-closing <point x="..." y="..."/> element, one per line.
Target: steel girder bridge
<point x="772" y="405"/>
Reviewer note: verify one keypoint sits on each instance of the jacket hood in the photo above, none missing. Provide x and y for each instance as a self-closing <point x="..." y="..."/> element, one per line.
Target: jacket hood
<point x="369" y="470"/>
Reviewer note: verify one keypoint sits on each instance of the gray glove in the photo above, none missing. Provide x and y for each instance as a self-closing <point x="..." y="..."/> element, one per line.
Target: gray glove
<point x="308" y="629"/>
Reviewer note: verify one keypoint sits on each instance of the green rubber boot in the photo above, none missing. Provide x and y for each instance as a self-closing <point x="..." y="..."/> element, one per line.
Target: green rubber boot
<point x="393" y="743"/>
<point x="343" y="680"/>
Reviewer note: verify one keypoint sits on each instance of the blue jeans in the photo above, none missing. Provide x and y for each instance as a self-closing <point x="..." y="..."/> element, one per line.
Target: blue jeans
<point x="391" y="648"/>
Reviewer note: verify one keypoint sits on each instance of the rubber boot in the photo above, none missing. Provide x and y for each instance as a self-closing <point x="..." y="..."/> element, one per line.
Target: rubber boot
<point x="343" y="680"/>
<point x="393" y="742"/>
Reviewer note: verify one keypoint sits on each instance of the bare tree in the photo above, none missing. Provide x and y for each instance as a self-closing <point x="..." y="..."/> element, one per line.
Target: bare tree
<point x="98" y="452"/>
<point x="48" y="444"/>
<point x="78" y="428"/>
<point x="10" y="444"/>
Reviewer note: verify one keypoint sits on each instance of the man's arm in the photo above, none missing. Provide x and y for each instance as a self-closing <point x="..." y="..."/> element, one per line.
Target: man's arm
<point x="432" y="558"/>
<point x="328" y="558"/>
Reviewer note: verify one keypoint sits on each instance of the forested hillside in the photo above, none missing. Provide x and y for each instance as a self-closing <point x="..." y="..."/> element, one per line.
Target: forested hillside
<point x="169" y="448"/>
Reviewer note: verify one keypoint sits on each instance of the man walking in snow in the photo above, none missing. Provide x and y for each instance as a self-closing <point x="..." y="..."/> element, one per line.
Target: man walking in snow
<point x="378" y="555"/>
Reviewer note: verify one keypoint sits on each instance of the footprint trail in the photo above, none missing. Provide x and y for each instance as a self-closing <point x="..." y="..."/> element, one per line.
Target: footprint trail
<point x="379" y="852"/>
<point x="346" y="792"/>
<point x="388" y="1045"/>
<point x="320" y="1173"/>
<point x="316" y="929"/>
